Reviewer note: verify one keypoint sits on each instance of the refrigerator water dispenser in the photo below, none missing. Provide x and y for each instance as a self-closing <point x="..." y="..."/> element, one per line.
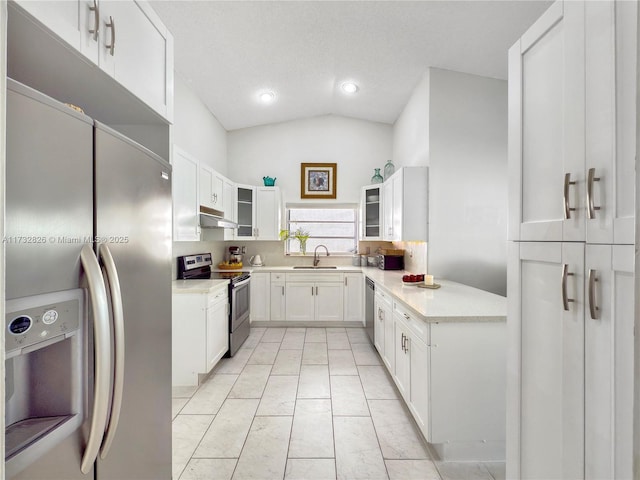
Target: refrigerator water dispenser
<point x="44" y="374"/>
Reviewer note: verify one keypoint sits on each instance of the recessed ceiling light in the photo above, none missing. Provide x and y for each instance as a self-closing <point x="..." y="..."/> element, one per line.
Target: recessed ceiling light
<point x="349" y="87"/>
<point x="267" y="97"/>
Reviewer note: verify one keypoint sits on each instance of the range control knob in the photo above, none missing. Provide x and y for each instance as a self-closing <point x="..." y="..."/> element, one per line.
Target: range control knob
<point x="20" y="325"/>
<point x="49" y="317"/>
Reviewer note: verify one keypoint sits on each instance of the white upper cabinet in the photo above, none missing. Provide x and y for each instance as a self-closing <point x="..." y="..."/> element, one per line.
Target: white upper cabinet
<point x="371" y="213"/>
<point x="211" y="188"/>
<point x="406" y="205"/>
<point x="137" y="50"/>
<point x="61" y="17"/>
<point x="546" y="127"/>
<point x="125" y="38"/>
<point x="572" y="125"/>
<point x="610" y="32"/>
<point x="186" y="224"/>
<point x="268" y="213"/>
<point x="259" y="213"/>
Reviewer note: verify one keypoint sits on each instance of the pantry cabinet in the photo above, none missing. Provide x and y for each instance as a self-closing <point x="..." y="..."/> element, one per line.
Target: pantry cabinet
<point x="126" y="39"/>
<point x="200" y="333"/>
<point x="572" y="150"/>
<point x="406" y="205"/>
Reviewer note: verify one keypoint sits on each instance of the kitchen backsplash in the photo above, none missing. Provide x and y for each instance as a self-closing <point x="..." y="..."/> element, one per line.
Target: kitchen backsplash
<point x="272" y="253"/>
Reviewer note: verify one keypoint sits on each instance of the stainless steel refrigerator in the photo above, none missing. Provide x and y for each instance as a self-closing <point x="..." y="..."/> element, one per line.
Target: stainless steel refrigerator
<point x="88" y="289"/>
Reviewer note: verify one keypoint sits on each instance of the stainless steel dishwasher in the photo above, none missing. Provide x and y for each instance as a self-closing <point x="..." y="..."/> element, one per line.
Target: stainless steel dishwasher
<point x="369" y="307"/>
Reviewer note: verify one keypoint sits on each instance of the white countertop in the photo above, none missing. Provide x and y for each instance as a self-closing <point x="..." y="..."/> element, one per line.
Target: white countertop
<point x="199" y="286"/>
<point x="290" y="268"/>
<point x="453" y="302"/>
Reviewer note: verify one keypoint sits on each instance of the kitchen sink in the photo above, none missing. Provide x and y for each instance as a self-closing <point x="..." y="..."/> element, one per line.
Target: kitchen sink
<point x="315" y="268"/>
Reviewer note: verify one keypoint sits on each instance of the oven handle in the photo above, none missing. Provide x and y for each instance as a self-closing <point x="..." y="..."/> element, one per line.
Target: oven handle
<point x="241" y="284"/>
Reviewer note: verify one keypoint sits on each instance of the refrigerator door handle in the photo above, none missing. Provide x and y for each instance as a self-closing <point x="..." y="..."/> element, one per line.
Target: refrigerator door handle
<point x="104" y="255"/>
<point x="102" y="345"/>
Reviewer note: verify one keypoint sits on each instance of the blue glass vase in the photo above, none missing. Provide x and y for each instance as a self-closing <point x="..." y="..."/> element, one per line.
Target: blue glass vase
<point x="389" y="168"/>
<point x="377" y="178"/>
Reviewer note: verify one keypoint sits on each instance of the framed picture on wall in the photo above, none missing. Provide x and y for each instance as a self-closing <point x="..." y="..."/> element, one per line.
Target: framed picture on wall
<point x="318" y="180"/>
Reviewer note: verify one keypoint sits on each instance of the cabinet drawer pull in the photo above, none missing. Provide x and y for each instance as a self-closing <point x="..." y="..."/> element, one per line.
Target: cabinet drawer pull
<point x="593" y="307"/>
<point x="591" y="209"/>
<point x="111" y="24"/>
<point x="406" y="316"/>
<point x="565" y="274"/>
<point x="96" y="18"/>
<point x="567" y="208"/>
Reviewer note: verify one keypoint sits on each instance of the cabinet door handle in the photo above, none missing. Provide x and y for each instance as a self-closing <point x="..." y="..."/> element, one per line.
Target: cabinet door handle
<point x="111" y="24"/>
<point x="593" y="307"/>
<point x="316" y="290"/>
<point x="283" y="291"/>
<point x="565" y="274"/>
<point x="312" y="291"/>
<point x="565" y="196"/>
<point x="96" y="18"/>
<point x="402" y="341"/>
<point x="345" y="282"/>
<point x="591" y="214"/>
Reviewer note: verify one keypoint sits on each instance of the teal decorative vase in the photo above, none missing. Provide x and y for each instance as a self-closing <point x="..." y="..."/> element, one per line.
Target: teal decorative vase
<point x="389" y="168"/>
<point x="377" y="178"/>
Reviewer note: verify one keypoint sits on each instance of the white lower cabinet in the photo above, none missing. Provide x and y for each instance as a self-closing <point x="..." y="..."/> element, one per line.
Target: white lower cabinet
<point x="546" y="316"/>
<point x="571" y="361"/>
<point x="450" y="375"/>
<point x="609" y="338"/>
<point x="311" y="297"/>
<point x="260" y="296"/>
<point x="200" y="334"/>
<point x="278" y="297"/>
<point x="353" y="297"/>
<point x="412" y="368"/>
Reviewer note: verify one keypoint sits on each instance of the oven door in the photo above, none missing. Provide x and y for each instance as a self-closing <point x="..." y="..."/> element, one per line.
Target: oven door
<point x="240" y="303"/>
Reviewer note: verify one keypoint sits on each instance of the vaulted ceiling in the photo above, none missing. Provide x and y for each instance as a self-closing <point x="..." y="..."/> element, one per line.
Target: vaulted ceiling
<point x="230" y="51"/>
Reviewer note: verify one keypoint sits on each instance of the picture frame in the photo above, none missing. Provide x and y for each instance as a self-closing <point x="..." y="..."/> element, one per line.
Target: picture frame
<point x="318" y="180"/>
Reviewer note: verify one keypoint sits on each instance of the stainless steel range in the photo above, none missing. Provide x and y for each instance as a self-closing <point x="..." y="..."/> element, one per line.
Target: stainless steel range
<point x="198" y="267"/>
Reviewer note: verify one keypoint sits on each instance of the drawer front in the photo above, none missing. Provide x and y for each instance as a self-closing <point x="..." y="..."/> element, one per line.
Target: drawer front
<point x="384" y="296"/>
<point x="277" y="277"/>
<point x="315" y="277"/>
<point x="217" y="296"/>
<point x="418" y="327"/>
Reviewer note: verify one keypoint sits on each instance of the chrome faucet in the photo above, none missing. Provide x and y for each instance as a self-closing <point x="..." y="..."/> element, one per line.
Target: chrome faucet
<point x="316" y="260"/>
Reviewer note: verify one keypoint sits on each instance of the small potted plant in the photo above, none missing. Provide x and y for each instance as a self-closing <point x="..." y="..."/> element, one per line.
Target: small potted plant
<point x="301" y="235"/>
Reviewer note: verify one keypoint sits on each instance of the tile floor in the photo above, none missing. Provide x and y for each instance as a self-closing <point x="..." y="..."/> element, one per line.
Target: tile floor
<point x="303" y="403"/>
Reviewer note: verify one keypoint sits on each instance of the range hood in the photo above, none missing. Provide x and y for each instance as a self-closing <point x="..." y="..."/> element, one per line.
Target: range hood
<point x="212" y="218"/>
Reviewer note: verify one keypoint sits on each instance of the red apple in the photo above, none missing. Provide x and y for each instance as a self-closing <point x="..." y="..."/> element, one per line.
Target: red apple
<point x="405" y="278"/>
<point x="413" y="278"/>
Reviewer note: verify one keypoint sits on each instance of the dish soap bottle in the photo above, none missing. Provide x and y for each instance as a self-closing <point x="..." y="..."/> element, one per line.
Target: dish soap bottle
<point x="389" y="168"/>
<point x="377" y="178"/>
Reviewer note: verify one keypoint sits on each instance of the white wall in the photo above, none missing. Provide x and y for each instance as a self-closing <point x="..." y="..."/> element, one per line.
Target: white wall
<point x="196" y="130"/>
<point x="277" y="150"/>
<point x="468" y="179"/>
<point x="411" y="129"/>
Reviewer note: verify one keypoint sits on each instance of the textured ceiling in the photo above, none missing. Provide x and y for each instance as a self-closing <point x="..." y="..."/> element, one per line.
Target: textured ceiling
<point x="228" y="51"/>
